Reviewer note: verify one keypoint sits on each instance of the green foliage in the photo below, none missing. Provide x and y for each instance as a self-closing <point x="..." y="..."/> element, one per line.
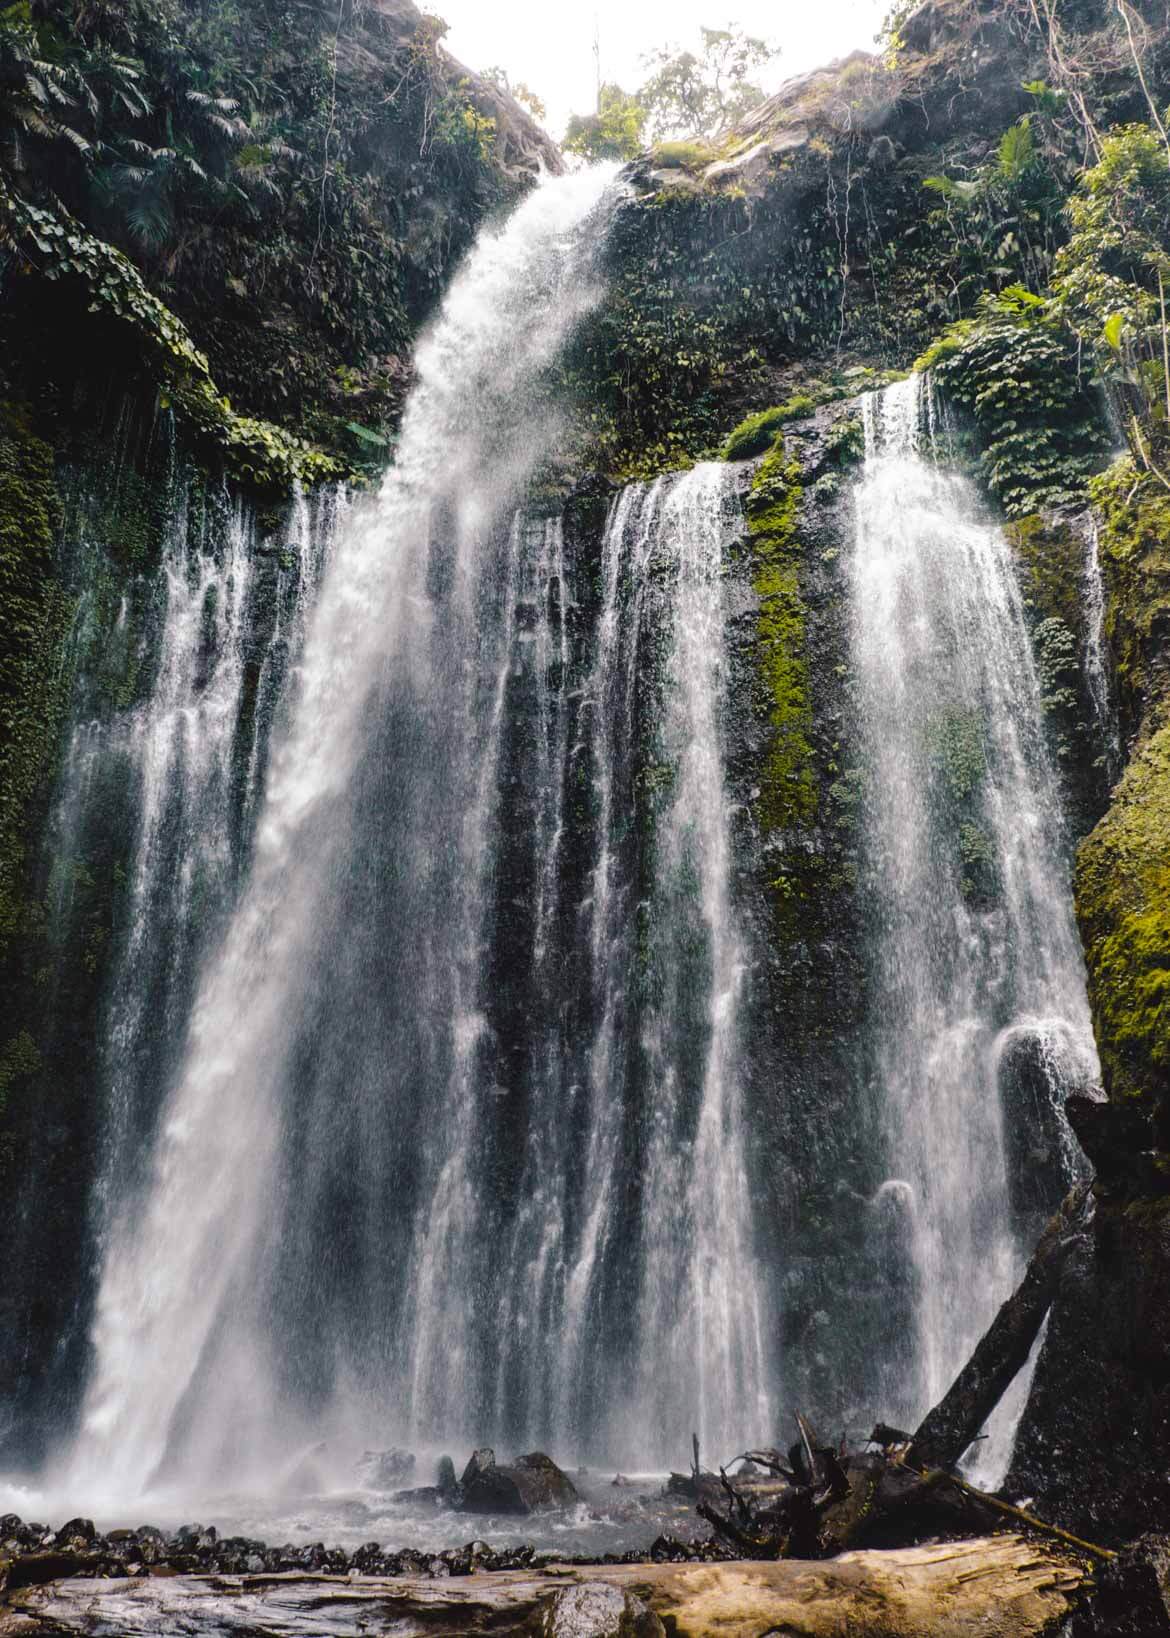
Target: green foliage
<point x="1059" y="668"/>
<point x="957" y="749"/>
<point x="758" y="432"/>
<point x="292" y="180"/>
<point x="689" y="154"/>
<point x="614" y="132"/>
<point x="702" y="94"/>
<point x="890" y="36"/>
<point x="1017" y="150"/>
<point x="1003" y="221"/>
<point x="845" y="440"/>
<point x="1113" y="281"/>
<point x="460" y="126"/>
<point x="1014" y="367"/>
<point x="788" y="793"/>
<point x="56" y="246"/>
<point x="979" y="874"/>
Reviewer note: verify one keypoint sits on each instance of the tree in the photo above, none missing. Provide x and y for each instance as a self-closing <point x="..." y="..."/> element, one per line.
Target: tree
<point x="615" y="132"/>
<point x="518" y="91"/>
<point x="700" y="96"/>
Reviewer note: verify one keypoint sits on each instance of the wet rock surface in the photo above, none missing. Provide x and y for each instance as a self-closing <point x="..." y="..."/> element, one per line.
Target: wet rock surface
<point x="1132" y="1598"/>
<point x="596" y="1610"/>
<point x="530" y="1482"/>
<point x="33" y="1554"/>
<point x="1092" y="1446"/>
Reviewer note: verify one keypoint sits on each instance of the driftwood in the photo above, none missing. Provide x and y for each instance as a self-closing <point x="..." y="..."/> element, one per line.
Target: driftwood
<point x="818" y="1502"/>
<point x="1000" y="1587"/>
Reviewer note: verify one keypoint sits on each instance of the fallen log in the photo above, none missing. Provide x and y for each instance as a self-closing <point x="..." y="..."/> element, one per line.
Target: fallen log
<point x="902" y="1489"/>
<point x="1000" y="1587"/>
<point x="957" y="1419"/>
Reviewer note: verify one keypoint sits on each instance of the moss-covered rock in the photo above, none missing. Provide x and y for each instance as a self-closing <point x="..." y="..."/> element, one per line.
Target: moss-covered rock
<point x="756" y="433"/>
<point x="788" y="786"/>
<point x="1123" y="907"/>
<point x="34" y="617"/>
<point x="1050" y="557"/>
<point x="1134" y="513"/>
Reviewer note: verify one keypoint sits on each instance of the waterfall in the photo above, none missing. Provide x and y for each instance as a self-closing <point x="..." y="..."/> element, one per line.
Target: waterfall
<point x="455" y="1147"/>
<point x="981" y="1022"/>
<point x="1096" y="662"/>
<point x="181" y="767"/>
<point x="702" y="1322"/>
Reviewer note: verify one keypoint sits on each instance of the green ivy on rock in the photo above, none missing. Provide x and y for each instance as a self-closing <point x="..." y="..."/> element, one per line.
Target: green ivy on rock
<point x="1014" y="368"/>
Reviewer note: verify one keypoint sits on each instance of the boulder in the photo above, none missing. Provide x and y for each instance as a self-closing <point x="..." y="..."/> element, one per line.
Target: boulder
<point x="542" y="1481"/>
<point x="1132" y="1596"/>
<point x="530" y="1483"/>
<point x="597" y="1610"/>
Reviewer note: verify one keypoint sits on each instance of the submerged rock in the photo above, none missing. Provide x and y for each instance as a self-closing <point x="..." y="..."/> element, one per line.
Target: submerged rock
<point x="383" y="1469"/>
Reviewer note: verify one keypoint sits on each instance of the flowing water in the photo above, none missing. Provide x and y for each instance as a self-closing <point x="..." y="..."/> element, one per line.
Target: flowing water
<point x="1095" y="660"/>
<point x="453" y="1149"/>
<point x="980" y="1002"/>
<point x="426" y="1053"/>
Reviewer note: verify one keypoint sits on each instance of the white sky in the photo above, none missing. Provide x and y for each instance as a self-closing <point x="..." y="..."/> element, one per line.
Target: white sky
<point x="549" y="43"/>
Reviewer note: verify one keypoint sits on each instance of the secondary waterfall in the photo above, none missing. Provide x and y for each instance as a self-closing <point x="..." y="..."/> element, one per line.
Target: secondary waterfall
<point x="1096" y="666"/>
<point x="981" y="1019"/>
<point x="453" y="1148"/>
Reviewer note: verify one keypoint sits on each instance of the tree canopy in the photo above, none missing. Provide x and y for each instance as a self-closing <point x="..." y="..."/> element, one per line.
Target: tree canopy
<point x="687" y="94"/>
<point x="614" y="132"/>
<point x="701" y="94"/>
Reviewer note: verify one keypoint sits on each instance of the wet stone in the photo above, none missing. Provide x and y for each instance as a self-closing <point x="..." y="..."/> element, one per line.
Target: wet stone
<point x="597" y="1610"/>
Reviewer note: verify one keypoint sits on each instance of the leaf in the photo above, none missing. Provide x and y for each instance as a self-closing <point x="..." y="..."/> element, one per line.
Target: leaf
<point x="366" y="434"/>
<point x="1017" y="149"/>
<point x="1112" y="331"/>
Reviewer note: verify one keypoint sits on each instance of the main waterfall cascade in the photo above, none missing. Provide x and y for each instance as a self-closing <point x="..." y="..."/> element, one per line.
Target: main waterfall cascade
<point x="430" y="1074"/>
<point x="454" y="1147"/>
<point x="981" y="1017"/>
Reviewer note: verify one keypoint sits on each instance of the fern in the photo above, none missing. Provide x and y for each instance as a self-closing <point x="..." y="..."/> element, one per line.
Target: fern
<point x="1017" y="149"/>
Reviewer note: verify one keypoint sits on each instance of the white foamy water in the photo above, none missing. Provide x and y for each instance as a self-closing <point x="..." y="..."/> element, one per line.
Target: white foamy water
<point x="975" y="947"/>
<point x="190" y="1363"/>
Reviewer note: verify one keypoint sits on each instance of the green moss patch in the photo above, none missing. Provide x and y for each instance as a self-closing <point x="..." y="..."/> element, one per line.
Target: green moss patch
<point x="1123" y="907"/>
<point x="1134" y="513"/>
<point x="756" y="433"/>
<point x="1051" y="557"/>
<point x="788" y="786"/>
<point x="34" y="618"/>
<point x="685" y="155"/>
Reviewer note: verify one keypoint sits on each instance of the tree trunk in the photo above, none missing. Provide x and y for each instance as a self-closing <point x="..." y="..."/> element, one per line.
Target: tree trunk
<point x="957" y="1418"/>
<point x="995" y="1587"/>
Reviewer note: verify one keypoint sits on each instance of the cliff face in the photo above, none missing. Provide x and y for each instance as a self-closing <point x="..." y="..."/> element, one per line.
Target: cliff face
<point x="855" y="215"/>
<point x="858" y="214"/>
